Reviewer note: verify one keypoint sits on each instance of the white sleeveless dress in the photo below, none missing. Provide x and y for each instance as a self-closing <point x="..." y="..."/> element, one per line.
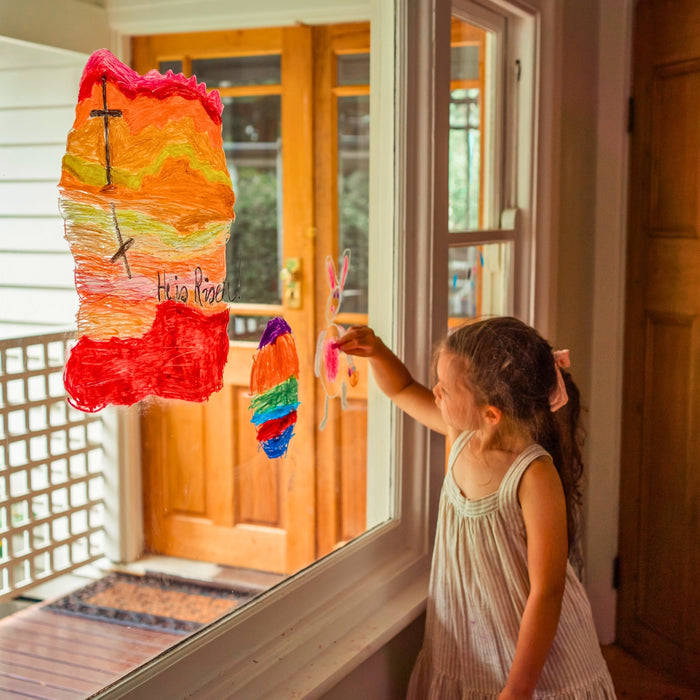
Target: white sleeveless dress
<point x="478" y="589"/>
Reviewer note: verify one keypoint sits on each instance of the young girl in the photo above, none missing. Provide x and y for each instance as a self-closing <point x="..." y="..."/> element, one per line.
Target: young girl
<point x="507" y="616"/>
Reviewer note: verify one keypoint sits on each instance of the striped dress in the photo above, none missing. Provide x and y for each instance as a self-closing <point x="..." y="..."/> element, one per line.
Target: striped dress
<point x="478" y="590"/>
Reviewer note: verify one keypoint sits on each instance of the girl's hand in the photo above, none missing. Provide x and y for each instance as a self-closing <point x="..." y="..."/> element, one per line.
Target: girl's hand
<point x="360" y="341"/>
<point x="392" y="376"/>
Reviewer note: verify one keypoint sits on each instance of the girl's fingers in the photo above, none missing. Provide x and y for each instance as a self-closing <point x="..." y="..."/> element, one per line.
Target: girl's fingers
<point x="357" y="340"/>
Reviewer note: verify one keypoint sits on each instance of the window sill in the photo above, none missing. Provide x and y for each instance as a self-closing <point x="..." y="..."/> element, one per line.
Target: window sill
<point x="284" y="645"/>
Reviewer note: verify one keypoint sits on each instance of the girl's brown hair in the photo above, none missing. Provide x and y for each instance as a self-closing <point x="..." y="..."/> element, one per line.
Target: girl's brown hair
<point x="509" y="365"/>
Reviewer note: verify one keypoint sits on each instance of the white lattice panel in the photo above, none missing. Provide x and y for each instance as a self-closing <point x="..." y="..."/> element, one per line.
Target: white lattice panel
<point x="51" y="483"/>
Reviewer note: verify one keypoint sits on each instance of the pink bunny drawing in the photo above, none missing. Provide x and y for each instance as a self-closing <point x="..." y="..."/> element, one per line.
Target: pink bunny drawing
<point x="335" y="369"/>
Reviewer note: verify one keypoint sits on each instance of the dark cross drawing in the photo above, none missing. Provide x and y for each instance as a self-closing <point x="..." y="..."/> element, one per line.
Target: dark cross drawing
<point x="123" y="245"/>
<point x="105" y="114"/>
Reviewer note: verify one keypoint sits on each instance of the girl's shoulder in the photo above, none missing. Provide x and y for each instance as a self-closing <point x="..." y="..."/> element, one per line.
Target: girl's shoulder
<point x="539" y="480"/>
<point x="526" y="466"/>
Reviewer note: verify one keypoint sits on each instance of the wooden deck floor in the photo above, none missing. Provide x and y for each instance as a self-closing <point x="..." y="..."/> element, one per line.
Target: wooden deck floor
<point x="54" y="656"/>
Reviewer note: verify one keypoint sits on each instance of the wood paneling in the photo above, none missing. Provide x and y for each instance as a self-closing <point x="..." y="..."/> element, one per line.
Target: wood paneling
<point x="209" y="492"/>
<point x="658" y="597"/>
<point x="675" y="145"/>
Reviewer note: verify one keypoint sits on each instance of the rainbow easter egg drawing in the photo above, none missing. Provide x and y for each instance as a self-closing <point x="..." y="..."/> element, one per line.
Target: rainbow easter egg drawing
<point x="274" y="388"/>
<point x="334" y="368"/>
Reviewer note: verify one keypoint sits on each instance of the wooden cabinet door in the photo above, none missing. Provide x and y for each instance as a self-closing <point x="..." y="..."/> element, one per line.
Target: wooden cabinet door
<point x="209" y="493"/>
<point x="658" y="597"/>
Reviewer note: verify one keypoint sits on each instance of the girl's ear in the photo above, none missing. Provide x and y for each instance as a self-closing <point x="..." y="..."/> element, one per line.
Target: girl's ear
<point x="330" y="269"/>
<point x="493" y="415"/>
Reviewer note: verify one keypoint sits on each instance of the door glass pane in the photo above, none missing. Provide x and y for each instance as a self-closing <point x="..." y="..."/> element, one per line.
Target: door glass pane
<point x="252" y="143"/>
<point x="237" y="71"/>
<point x="353" y="69"/>
<point x="353" y="196"/>
<point x="466" y="140"/>
<point x="174" y="66"/>
<point x="479" y="280"/>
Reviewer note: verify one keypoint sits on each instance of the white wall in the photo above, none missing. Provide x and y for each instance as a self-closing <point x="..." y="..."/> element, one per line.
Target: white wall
<point x="65" y="24"/>
<point x="158" y="16"/>
<point x="38" y="90"/>
<point x="43" y="48"/>
<point x="610" y="224"/>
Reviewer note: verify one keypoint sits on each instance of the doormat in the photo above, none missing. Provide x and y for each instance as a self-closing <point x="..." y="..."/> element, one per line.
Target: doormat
<point x="151" y="601"/>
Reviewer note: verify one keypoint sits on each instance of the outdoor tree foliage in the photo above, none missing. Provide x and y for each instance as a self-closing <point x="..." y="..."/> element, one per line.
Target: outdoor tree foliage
<point x="252" y="258"/>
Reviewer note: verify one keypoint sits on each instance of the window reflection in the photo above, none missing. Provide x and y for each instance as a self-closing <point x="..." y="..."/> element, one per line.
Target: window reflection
<point x="465" y="60"/>
<point x="465" y="160"/>
<point x="467" y="85"/>
<point x="479" y="272"/>
<point x="479" y="280"/>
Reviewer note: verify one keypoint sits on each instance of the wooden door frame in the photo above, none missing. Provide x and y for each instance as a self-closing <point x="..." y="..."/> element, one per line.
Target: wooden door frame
<point x="299" y="234"/>
<point x="309" y="115"/>
<point x="330" y="41"/>
<point x="290" y="551"/>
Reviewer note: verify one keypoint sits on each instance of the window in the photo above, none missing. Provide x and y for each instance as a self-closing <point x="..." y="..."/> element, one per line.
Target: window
<point x="303" y="635"/>
<point x="489" y="270"/>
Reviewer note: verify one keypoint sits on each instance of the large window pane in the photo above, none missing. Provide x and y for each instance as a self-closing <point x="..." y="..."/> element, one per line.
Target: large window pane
<point x="480" y="277"/>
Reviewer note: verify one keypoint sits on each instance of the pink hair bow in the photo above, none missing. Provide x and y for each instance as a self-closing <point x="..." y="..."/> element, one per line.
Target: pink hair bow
<point x="559" y="397"/>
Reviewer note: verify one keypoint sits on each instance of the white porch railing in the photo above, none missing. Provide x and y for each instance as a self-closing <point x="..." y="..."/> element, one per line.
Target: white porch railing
<point x="51" y="461"/>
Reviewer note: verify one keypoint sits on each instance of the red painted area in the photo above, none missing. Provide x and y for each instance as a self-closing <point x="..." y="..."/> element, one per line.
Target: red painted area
<point x="274" y="428"/>
<point x="182" y="356"/>
<point x="103" y="63"/>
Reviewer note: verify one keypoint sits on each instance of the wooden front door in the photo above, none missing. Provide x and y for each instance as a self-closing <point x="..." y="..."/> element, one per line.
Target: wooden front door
<point x="209" y="493"/>
<point x="659" y="595"/>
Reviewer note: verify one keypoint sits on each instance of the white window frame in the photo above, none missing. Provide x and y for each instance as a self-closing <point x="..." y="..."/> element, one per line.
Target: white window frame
<point x="302" y="637"/>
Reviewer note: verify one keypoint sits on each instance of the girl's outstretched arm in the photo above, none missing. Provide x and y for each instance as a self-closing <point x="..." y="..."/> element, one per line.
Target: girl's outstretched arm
<point x="544" y="510"/>
<point x="393" y="377"/>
